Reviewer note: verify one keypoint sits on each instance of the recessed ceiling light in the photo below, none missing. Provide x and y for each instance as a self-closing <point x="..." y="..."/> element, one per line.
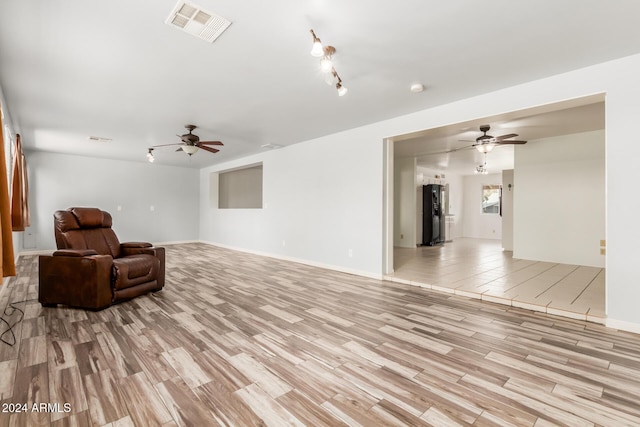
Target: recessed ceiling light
<point x="417" y="87"/>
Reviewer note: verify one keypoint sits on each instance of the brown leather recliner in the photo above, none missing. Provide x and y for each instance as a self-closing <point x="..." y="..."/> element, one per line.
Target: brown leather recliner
<point x="91" y="268"/>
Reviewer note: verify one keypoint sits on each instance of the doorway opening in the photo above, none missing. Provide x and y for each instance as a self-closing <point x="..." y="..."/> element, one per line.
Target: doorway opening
<point x="525" y="244"/>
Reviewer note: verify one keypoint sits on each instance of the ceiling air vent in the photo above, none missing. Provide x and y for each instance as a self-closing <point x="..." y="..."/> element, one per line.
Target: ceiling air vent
<point x="99" y="139"/>
<point x="198" y="22"/>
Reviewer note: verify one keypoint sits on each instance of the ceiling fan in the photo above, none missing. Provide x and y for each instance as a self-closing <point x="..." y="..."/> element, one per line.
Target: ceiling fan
<point x="485" y="143"/>
<point x="189" y="143"/>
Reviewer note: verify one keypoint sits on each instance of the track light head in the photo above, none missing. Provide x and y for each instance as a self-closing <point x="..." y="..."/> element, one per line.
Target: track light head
<point x="317" y="50"/>
<point x="342" y="91"/>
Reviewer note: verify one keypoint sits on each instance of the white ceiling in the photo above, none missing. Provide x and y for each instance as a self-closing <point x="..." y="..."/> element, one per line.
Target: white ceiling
<point x="449" y="148"/>
<point x="75" y="68"/>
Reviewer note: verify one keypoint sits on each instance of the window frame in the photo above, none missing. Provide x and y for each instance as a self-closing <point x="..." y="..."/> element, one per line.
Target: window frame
<point x="491" y="187"/>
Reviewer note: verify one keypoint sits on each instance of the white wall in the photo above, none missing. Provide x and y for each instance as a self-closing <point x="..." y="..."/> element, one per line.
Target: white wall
<point x="322" y="204"/>
<point x="559" y="199"/>
<point x="406" y="204"/>
<point x="618" y="80"/>
<point x="475" y="224"/>
<point x="58" y="181"/>
<point x="507" y="210"/>
<point x="325" y="196"/>
<point x="352" y="163"/>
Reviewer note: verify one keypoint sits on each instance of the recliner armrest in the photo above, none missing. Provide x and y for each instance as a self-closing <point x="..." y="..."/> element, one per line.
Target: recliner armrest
<point x="134" y="248"/>
<point x="135" y="245"/>
<point x="156" y="251"/>
<point x="75" y="252"/>
<point x="76" y="281"/>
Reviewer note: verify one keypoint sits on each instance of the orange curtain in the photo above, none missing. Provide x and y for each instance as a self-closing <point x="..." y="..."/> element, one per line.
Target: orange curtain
<point x="6" y="235"/>
<point x="20" y="216"/>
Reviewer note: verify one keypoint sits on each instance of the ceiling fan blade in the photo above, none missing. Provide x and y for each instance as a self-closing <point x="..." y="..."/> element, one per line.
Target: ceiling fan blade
<point x="507" y="136"/>
<point x="211" y="142"/>
<point x="453" y="150"/>
<point x="166" y="145"/>
<point x="209" y="149"/>
<point x="511" y="142"/>
<point x="466" y="147"/>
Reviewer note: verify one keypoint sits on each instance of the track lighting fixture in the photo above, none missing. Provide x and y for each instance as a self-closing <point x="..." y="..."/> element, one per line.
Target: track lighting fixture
<point x="326" y="63"/>
<point x="150" y="157"/>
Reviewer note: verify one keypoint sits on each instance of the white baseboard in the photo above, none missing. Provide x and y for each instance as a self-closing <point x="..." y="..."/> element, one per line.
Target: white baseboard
<point x="39" y="252"/>
<point x="175" y="242"/>
<point x="299" y="261"/>
<point x="623" y="325"/>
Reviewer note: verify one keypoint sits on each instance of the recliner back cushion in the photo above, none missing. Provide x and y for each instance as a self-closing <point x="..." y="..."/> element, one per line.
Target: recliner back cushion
<point x="86" y="228"/>
<point x="89" y="217"/>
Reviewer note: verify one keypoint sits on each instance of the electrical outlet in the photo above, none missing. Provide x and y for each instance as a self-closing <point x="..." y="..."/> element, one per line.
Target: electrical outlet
<point x="152" y="208"/>
<point x="284" y="243"/>
<point x="401" y="236"/>
<point x="350" y="253"/>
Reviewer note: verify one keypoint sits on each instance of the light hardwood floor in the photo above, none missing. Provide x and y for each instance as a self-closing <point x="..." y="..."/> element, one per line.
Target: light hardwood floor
<point x="478" y="268"/>
<point x="239" y="339"/>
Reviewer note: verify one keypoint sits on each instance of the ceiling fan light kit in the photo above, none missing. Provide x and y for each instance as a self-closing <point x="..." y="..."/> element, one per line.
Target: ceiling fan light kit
<point x="190" y="144"/>
<point x="189" y="149"/>
<point x="485" y="147"/>
<point x="326" y="63"/>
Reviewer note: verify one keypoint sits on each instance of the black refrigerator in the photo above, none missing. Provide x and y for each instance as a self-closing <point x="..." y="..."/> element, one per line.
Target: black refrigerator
<point x="432" y="215"/>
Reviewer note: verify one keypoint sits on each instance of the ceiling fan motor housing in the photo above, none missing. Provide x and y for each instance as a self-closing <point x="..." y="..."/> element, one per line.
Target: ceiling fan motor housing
<point x="485" y="137"/>
<point x="190" y="138"/>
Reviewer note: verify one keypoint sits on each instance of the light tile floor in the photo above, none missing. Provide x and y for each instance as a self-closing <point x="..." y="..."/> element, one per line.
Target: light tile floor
<point x="479" y="268"/>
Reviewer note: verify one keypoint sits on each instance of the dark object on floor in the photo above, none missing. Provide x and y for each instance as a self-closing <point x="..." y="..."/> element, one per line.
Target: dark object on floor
<point x="91" y="268"/>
